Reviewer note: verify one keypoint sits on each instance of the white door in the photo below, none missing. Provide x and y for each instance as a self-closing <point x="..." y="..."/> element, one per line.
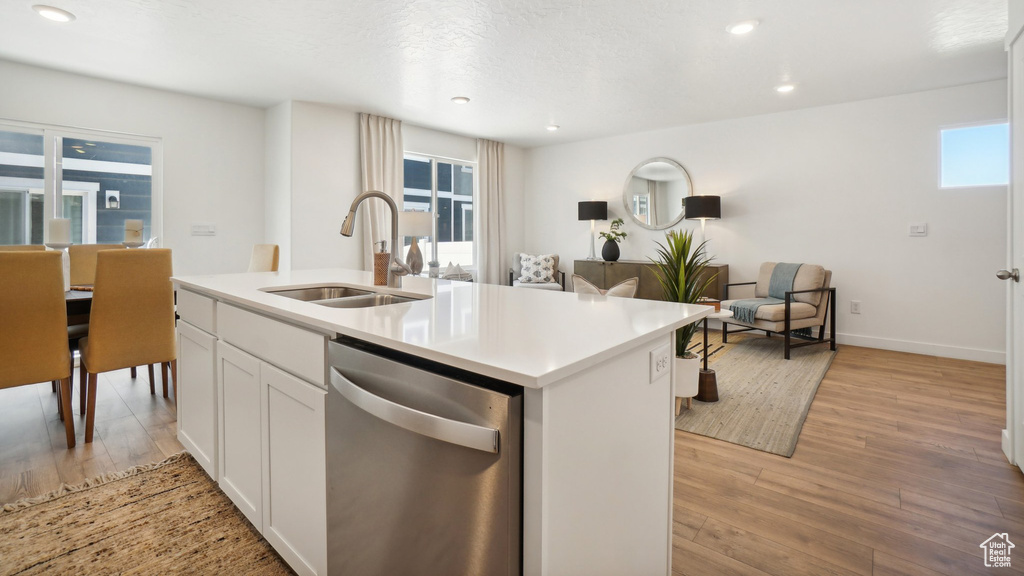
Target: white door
<point x="197" y="399"/>
<point x="241" y="451"/>
<point x="1013" y="440"/>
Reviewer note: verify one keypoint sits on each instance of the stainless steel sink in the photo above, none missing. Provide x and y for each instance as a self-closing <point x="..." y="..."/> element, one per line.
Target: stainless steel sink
<point x="342" y="296"/>
<point x="367" y="301"/>
<point x="320" y="293"/>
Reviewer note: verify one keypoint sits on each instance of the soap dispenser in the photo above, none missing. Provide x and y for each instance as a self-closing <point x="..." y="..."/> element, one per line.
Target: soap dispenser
<point x="381" y="260"/>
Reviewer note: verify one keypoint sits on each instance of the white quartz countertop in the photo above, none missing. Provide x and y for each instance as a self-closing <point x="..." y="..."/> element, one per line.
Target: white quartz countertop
<point x="527" y="337"/>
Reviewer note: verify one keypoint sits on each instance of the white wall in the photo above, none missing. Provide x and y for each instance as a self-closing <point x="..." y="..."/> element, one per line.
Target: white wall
<point x="212" y="154"/>
<point x="277" y="199"/>
<point x="835" y="185"/>
<point x="323" y="177"/>
<point x="325" y="180"/>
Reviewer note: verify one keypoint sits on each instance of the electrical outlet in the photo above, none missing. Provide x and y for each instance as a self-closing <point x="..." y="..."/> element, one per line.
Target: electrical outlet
<point x="661" y="362"/>
<point x="854" y="306"/>
<point x="919" y="229"/>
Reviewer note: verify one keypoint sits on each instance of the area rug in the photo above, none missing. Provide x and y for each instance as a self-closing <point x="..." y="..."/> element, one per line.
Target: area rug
<point x="163" y="518"/>
<point x="763" y="398"/>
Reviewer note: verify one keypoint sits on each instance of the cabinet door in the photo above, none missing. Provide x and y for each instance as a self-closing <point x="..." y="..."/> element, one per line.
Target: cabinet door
<point x="294" y="470"/>
<point x="196" y="392"/>
<point x="241" y="452"/>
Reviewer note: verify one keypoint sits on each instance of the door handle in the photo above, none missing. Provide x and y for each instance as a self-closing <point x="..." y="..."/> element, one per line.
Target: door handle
<point x="443" y="429"/>
<point x="1006" y="275"/>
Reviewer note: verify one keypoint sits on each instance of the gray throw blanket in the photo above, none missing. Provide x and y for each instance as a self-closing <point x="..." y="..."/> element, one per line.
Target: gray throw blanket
<point x="781" y="282"/>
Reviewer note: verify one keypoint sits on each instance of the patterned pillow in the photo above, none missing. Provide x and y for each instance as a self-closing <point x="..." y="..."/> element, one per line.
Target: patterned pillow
<point x="538" y="269"/>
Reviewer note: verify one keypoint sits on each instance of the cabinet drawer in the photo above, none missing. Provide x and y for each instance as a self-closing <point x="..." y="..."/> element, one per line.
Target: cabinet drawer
<point x="197" y="310"/>
<point x="298" y="351"/>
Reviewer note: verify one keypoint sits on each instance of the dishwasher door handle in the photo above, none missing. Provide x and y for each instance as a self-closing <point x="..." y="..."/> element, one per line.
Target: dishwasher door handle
<point x="451" y="431"/>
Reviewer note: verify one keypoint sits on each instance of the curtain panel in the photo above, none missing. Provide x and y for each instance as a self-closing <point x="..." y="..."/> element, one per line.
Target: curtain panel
<point x="491" y="262"/>
<point x="381" y="157"/>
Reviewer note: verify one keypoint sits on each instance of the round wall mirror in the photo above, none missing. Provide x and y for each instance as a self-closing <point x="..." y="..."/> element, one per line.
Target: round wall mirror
<point x="654" y="193"/>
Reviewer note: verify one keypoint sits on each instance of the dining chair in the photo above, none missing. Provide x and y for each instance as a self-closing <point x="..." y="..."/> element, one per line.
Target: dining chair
<point x="83" y="261"/>
<point x="33" y="319"/>
<point x="22" y="248"/>
<point x="132" y="320"/>
<point x="83" y="273"/>
<point x="264" y="258"/>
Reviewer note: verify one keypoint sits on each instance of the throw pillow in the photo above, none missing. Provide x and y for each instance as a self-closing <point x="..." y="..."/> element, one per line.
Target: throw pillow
<point x="581" y="285"/>
<point x="538" y="269"/>
<point x="624" y="289"/>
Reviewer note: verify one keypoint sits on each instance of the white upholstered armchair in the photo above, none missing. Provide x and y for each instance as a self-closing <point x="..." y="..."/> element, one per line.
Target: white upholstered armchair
<point x="789" y="299"/>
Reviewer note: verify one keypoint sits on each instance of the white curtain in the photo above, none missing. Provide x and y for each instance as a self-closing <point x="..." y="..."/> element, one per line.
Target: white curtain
<point x="490" y="158"/>
<point x="381" y="152"/>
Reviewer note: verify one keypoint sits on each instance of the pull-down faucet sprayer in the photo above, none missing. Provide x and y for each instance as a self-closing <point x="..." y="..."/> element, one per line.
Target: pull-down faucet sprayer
<point x="397" y="268"/>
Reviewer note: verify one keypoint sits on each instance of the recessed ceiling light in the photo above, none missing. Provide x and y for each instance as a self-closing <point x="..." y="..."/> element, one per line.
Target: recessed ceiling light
<point x="90" y="143"/>
<point x="785" y="88"/>
<point x="552" y="127"/>
<point x="79" y="150"/>
<point x="55" y="14"/>
<point x="741" y="28"/>
<point x="460" y="100"/>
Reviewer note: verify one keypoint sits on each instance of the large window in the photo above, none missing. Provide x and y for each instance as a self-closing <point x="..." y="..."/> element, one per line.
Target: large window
<point x="975" y="156"/>
<point x="446" y="188"/>
<point x="96" y="179"/>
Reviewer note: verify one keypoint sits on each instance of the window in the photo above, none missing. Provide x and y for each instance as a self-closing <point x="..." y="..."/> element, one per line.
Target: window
<point x="96" y="179"/>
<point x="449" y="186"/>
<point x="975" y="156"/>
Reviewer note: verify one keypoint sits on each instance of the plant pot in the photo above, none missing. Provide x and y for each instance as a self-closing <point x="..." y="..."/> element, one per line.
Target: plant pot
<point x="687" y="377"/>
<point x="610" y="252"/>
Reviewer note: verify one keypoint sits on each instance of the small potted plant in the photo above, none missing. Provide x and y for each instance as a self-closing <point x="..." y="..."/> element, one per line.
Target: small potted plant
<point x="680" y="267"/>
<point x="435" y="268"/>
<point x="610" y="251"/>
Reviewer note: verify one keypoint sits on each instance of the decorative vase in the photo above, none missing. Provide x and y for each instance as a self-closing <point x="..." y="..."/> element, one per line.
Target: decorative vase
<point x="686" y="377"/>
<point x="414" y="258"/>
<point x="610" y="252"/>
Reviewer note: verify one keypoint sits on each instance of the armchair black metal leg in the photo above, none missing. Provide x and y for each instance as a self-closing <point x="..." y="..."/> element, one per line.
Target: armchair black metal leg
<point x="832" y="321"/>
<point x="786" y="334"/>
<point x="725" y="332"/>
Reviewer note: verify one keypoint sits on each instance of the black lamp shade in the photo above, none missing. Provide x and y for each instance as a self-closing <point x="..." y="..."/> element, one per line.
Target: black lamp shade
<point x="593" y="210"/>
<point x="703" y="207"/>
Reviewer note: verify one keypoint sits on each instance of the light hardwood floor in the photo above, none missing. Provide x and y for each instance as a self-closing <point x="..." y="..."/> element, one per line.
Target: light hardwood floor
<point x="898" y="470"/>
<point x="132" y="427"/>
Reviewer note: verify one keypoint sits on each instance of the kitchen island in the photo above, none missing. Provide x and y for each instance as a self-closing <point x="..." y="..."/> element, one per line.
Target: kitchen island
<point x="596" y="378"/>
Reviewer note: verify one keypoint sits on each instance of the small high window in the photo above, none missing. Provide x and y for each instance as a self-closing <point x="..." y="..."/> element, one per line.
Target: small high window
<point x="975" y="156"/>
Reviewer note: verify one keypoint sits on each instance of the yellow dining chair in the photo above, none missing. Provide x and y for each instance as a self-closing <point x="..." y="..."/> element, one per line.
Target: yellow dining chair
<point x="132" y="320"/>
<point x="33" y="326"/>
<point x="264" y="258"/>
<point x="23" y="248"/>
<point x="83" y="261"/>
<point x="83" y="273"/>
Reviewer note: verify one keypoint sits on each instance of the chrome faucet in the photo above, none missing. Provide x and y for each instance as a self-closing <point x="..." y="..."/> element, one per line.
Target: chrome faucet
<point x="397" y="268"/>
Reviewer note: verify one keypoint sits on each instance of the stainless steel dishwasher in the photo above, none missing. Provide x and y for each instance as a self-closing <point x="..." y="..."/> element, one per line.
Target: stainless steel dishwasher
<point x="424" y="472"/>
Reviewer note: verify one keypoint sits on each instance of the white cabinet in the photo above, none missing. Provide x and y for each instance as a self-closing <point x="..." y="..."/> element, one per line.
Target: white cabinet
<point x="294" y="470"/>
<point x="197" y="399"/>
<point x="241" y="453"/>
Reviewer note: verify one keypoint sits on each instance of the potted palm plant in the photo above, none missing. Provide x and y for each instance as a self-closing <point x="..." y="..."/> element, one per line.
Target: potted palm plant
<point x="680" y="269"/>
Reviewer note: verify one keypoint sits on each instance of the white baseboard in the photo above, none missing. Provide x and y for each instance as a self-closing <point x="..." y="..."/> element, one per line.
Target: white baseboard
<point x="1006" y="446"/>
<point x="958" y="352"/>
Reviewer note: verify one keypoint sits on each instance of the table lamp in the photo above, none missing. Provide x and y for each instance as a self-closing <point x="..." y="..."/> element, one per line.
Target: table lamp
<point x="593" y="210"/>
<point x="415" y="224"/>
<point x="703" y="208"/>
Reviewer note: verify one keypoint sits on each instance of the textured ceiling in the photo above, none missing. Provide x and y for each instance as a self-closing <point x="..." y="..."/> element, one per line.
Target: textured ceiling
<point x="594" y="67"/>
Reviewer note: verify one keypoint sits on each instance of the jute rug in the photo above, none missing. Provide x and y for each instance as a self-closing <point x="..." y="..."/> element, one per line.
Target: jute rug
<point x="163" y="518"/>
<point x="763" y="398"/>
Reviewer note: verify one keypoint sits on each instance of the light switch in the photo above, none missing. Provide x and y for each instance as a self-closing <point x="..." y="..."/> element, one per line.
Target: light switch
<point x="204" y="229"/>
<point x="919" y="229"/>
